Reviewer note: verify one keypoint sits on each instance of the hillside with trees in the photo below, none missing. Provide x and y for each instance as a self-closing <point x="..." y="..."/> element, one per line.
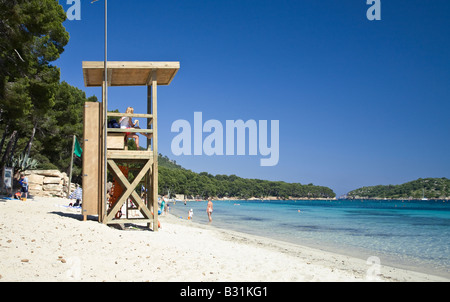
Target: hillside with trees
<point x="431" y="188"/>
<point x="181" y="181"/>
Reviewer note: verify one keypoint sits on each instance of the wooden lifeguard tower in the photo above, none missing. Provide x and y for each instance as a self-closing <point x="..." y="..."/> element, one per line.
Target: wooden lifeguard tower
<point x="95" y="201"/>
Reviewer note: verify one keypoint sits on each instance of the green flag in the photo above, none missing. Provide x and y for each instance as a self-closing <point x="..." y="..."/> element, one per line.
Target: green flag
<point x="77" y="150"/>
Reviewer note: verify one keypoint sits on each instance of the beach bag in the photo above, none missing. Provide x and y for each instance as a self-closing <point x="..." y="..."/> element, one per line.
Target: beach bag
<point x="113" y="124"/>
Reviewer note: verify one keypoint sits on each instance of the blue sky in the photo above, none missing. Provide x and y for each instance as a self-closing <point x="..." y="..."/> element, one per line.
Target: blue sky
<point x="359" y="102"/>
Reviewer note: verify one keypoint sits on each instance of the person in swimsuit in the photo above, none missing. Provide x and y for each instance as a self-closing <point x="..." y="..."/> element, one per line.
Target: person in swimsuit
<point x="126" y="123"/>
<point x="209" y="209"/>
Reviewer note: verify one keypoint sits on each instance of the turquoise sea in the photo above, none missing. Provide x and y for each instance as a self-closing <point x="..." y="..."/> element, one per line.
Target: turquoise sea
<point x="406" y="234"/>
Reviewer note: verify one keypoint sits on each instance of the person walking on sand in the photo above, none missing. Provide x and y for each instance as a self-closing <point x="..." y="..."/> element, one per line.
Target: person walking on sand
<point x="209" y="209"/>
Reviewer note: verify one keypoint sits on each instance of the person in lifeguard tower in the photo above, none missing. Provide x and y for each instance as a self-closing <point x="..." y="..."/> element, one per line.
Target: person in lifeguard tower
<point x="126" y="123"/>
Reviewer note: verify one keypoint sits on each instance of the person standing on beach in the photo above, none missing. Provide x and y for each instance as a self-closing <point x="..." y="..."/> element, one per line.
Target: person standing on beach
<point x="24" y="185"/>
<point x="209" y="209"/>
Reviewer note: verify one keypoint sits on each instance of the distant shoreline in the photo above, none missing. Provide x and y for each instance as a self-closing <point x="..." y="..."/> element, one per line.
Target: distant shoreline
<point x="311" y="199"/>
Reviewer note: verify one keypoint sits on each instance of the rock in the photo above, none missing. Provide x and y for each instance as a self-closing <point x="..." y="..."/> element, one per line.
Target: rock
<point x="51" y="173"/>
<point x="35" y="179"/>
<point x="34" y="187"/>
<point x="51" y="187"/>
<point x="48" y="183"/>
<point x="53" y="180"/>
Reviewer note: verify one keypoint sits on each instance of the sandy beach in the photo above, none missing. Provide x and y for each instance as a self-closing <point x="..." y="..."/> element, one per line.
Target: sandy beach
<point x="43" y="240"/>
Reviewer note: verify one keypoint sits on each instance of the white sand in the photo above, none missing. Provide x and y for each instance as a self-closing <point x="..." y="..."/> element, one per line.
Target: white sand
<point x="42" y="241"/>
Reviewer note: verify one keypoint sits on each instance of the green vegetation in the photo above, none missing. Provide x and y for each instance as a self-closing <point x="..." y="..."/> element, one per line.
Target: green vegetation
<point x="48" y="140"/>
<point x="431" y="188"/>
<point x="38" y="114"/>
<point x="181" y="181"/>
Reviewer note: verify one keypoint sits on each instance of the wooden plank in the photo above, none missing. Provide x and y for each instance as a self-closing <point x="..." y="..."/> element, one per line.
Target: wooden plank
<point x="121" y="178"/>
<point x="148" y="178"/>
<point x="131" y="130"/>
<point x="132" y="64"/>
<point x="129" y="73"/>
<point x="85" y="77"/>
<point x="110" y="76"/>
<point x="116" y="141"/>
<point x="101" y="157"/>
<point x="130" y="190"/>
<point x="136" y="200"/>
<point x="155" y="149"/>
<point x="137" y="115"/>
<point x="129" y="154"/>
<point x="130" y="220"/>
<point x="172" y="76"/>
<point x="91" y="167"/>
<point x="149" y="111"/>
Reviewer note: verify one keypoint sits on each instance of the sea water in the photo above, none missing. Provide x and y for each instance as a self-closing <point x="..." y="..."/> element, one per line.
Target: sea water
<point x="401" y="233"/>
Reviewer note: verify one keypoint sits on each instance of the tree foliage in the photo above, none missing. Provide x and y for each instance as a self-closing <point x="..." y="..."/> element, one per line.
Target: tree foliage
<point x="181" y="181"/>
<point x="38" y="114"/>
<point x="31" y="37"/>
<point x="432" y="188"/>
<point x="52" y="145"/>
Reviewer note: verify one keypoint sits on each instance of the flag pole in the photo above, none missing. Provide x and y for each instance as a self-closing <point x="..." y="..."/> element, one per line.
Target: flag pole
<point x="71" y="165"/>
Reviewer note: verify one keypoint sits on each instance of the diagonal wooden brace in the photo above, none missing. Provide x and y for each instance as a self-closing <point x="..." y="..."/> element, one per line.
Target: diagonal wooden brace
<point x="129" y="192"/>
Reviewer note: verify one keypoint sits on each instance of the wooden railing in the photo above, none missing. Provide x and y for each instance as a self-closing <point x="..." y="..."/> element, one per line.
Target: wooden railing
<point x="132" y="130"/>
